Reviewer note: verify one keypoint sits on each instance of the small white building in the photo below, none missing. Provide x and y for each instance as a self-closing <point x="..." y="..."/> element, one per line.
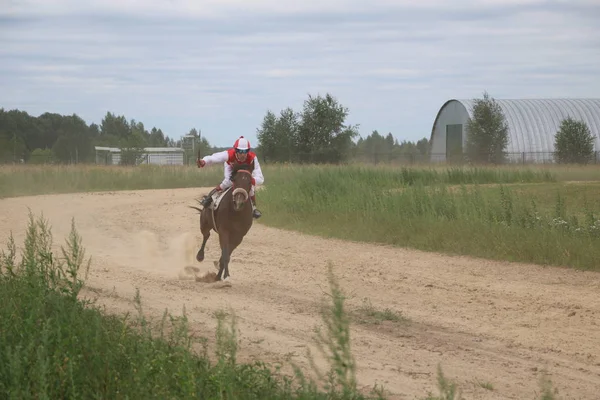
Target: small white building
<point x="151" y="155"/>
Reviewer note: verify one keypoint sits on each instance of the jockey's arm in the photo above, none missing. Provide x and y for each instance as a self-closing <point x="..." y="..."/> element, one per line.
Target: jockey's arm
<point x="257" y="174"/>
<point x="219" y="157"/>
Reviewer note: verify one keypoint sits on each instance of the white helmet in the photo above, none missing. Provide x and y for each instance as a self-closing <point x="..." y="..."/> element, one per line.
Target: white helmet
<point x="242" y="144"/>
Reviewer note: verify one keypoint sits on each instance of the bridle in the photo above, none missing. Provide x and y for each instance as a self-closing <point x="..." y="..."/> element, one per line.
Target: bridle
<point x="233" y="183"/>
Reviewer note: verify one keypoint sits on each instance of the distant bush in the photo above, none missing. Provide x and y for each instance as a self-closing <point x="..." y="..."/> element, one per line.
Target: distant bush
<point x="574" y="143"/>
<point x="39" y="156"/>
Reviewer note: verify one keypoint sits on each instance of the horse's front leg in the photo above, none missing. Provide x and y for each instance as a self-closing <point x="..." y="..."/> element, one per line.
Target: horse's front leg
<point x="225" y="255"/>
<point x="233" y="243"/>
<point x="205" y="228"/>
<point x="223" y="265"/>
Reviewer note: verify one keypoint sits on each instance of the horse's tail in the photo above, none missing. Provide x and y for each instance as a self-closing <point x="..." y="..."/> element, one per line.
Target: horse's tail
<point x="196" y="208"/>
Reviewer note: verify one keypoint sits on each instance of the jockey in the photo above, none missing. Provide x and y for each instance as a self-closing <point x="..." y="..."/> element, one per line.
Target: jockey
<point x="239" y="154"/>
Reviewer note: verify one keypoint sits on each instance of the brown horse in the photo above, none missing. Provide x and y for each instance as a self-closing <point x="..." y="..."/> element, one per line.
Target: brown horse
<point x="231" y="220"/>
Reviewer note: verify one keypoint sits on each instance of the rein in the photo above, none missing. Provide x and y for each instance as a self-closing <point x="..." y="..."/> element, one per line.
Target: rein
<point x="213" y="218"/>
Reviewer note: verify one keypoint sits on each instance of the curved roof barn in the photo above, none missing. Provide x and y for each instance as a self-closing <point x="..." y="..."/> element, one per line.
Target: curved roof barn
<point x="532" y="124"/>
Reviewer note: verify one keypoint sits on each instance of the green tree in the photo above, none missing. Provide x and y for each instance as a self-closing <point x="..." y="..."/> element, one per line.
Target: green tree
<point x="267" y="136"/>
<point x="69" y="137"/>
<point x="39" y="156"/>
<point x="487" y="132"/>
<point x="157" y="138"/>
<point x="12" y="148"/>
<point x="574" y="143"/>
<point x="94" y="131"/>
<point x="423" y="146"/>
<point x="278" y="136"/>
<point x="317" y="134"/>
<point x="132" y="148"/>
<point x="113" y="129"/>
<point x="373" y="147"/>
<point x="388" y="151"/>
<point x="323" y="136"/>
<point x="74" y="142"/>
<point x="20" y="133"/>
<point x="50" y="125"/>
<point x="286" y="128"/>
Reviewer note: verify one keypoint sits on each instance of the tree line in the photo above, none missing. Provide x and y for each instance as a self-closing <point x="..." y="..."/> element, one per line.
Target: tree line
<point x="316" y="134"/>
<point x="319" y="134"/>
<point x="52" y="137"/>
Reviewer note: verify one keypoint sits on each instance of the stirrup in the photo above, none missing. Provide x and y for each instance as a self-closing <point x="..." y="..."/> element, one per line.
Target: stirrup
<point x="256" y="214"/>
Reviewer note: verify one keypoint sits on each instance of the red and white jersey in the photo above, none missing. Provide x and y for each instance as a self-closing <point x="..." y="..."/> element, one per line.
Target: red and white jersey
<point x="228" y="159"/>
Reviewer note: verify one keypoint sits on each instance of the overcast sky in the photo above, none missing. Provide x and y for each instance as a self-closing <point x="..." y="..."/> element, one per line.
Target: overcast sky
<point x="219" y="65"/>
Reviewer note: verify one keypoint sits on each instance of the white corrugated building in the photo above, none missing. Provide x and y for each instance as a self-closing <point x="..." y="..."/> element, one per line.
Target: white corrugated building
<point x="151" y="155"/>
<point x="532" y="124"/>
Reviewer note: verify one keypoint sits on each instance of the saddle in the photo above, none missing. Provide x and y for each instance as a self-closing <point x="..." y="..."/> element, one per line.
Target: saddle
<point x="217" y="197"/>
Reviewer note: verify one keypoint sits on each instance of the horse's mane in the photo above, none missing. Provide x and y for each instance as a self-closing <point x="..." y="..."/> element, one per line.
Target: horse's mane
<point x="238" y="167"/>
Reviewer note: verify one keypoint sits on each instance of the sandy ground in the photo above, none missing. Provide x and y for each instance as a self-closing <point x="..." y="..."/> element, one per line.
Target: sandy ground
<point x="485" y="322"/>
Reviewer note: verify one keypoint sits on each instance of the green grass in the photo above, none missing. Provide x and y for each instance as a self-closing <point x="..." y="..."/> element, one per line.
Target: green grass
<point x="368" y="314"/>
<point x="23" y="180"/>
<point x="33" y="180"/>
<point x="572" y="172"/>
<point x="578" y="196"/>
<point x="542" y="221"/>
<point x="390" y="177"/>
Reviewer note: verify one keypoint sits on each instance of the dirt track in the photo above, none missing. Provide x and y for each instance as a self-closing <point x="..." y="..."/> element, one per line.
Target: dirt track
<point x="483" y="321"/>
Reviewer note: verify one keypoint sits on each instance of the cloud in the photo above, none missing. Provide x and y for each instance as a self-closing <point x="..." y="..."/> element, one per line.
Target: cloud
<point x="220" y="8"/>
<point x="219" y="65"/>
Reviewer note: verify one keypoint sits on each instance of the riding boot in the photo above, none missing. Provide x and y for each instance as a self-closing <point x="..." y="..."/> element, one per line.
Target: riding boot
<point x="208" y="198"/>
<point x="255" y="212"/>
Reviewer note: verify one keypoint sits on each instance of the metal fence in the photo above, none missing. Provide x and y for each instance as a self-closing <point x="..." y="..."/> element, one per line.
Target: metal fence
<point x="412" y="158"/>
<point x="525" y="157"/>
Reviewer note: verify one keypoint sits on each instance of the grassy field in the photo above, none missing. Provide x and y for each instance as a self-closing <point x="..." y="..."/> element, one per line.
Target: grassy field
<point x="31" y="180"/>
<point x="541" y="215"/>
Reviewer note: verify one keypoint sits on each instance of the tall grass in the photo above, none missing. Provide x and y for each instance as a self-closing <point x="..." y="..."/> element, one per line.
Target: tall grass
<point x="32" y="180"/>
<point x="420" y="209"/>
<point x="570" y="172"/>
<point x="387" y="177"/>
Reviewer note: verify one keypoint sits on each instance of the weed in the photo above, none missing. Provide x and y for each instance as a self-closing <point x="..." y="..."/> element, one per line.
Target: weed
<point x="369" y="314"/>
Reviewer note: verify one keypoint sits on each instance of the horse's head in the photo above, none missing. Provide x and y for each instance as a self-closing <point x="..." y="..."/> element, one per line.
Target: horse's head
<point x="241" y="177"/>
